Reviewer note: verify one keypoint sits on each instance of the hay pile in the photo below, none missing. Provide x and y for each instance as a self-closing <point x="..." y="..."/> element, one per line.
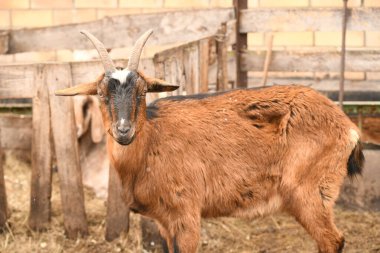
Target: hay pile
<point x="278" y="233"/>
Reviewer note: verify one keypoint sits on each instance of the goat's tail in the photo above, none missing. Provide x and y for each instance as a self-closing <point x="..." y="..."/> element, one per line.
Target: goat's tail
<point x="356" y="160"/>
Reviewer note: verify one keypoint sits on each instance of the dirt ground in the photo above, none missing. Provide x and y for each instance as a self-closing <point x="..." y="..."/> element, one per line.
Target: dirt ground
<point x="278" y="233"/>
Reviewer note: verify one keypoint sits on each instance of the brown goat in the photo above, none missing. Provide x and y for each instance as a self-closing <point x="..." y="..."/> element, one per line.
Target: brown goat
<point x="239" y="153"/>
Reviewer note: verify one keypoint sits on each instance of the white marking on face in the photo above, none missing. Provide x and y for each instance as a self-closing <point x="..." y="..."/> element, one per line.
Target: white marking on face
<point x="120" y="75"/>
<point x="122" y="121"/>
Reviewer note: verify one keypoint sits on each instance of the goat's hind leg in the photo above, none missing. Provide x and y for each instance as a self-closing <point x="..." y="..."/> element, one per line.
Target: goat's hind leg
<point x="317" y="218"/>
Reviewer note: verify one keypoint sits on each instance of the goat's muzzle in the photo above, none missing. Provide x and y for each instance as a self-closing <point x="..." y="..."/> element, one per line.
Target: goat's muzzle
<point x="123" y="133"/>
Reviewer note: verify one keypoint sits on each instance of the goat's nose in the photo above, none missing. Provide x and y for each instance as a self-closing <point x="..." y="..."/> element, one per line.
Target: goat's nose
<point x="123" y="129"/>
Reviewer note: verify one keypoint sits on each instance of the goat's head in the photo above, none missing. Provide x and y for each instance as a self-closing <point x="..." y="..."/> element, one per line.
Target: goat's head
<point x="121" y="91"/>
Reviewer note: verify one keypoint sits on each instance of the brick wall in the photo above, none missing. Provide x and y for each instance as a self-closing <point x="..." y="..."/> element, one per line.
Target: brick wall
<point x="37" y="13"/>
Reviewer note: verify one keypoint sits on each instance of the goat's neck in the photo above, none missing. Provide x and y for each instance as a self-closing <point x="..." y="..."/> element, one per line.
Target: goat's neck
<point x="129" y="160"/>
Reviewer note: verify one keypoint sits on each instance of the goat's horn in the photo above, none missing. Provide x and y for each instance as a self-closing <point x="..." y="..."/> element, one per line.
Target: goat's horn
<point x="133" y="62"/>
<point x="104" y="56"/>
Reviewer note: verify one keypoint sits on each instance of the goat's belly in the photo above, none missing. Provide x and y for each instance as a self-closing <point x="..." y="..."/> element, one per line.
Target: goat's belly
<point x="254" y="209"/>
<point x="274" y="204"/>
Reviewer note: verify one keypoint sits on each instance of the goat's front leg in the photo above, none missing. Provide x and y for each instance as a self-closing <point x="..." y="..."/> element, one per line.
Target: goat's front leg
<point x="185" y="234"/>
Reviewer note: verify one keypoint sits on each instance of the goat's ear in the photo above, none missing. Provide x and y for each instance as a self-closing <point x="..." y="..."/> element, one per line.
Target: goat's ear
<point x="81" y="89"/>
<point x="97" y="129"/>
<point x="158" y="85"/>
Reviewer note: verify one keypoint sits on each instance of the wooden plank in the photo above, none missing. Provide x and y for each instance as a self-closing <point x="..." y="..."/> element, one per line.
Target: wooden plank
<point x="320" y="84"/>
<point x="88" y="71"/>
<point x="117" y="220"/>
<point x="204" y="51"/>
<point x="123" y="31"/>
<point x="241" y="44"/>
<point x="222" y="75"/>
<point x="40" y="207"/>
<point x="3" y="194"/>
<point x="4" y="42"/>
<point x="17" y="81"/>
<point x="58" y="76"/>
<point x="313" y="60"/>
<point x="191" y="69"/>
<point x="308" y="19"/>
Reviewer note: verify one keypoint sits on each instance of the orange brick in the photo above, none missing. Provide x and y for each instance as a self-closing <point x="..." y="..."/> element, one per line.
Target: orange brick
<point x="353" y="39"/>
<point x="95" y="3"/>
<point x="277" y="74"/>
<point x="372" y="3"/>
<point x="293" y="39"/>
<point x="334" y="3"/>
<point x="372" y="39"/>
<point x="284" y="3"/>
<point x="373" y="75"/>
<point x="255" y="39"/>
<point x="116" y="12"/>
<point x="61" y="17"/>
<point x="5" y="19"/>
<point x="158" y="10"/>
<point x="35" y="56"/>
<point x="229" y="3"/>
<point x="35" y="18"/>
<point x="14" y="4"/>
<point x="6" y="58"/>
<point x="356" y="76"/>
<point x="253" y="3"/>
<point x="221" y="3"/>
<point x="141" y="3"/>
<point x="186" y="4"/>
<point x="44" y="4"/>
<point x="64" y="55"/>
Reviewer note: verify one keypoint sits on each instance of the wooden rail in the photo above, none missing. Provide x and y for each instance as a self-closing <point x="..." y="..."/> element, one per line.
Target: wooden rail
<point x="169" y="27"/>
<point x="310" y="60"/>
<point x="307" y="19"/>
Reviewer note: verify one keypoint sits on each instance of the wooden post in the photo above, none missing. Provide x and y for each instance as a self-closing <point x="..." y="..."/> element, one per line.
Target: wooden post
<point x="117" y="220"/>
<point x="240" y="46"/>
<point x="58" y="76"/>
<point x="268" y="58"/>
<point x="343" y="55"/>
<point x="3" y="195"/>
<point x="40" y="192"/>
<point x="191" y="69"/>
<point x="360" y="118"/>
<point x="222" y="76"/>
<point x="204" y="51"/>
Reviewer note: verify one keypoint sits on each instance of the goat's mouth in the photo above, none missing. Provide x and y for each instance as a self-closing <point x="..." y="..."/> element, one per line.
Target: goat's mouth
<point x="122" y="138"/>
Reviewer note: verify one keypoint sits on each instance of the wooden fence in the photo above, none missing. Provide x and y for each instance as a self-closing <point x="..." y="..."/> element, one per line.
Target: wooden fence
<point x="306" y="59"/>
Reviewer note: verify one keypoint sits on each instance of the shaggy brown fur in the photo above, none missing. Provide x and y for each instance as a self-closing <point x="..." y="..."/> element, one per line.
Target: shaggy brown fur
<point x="241" y="153"/>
